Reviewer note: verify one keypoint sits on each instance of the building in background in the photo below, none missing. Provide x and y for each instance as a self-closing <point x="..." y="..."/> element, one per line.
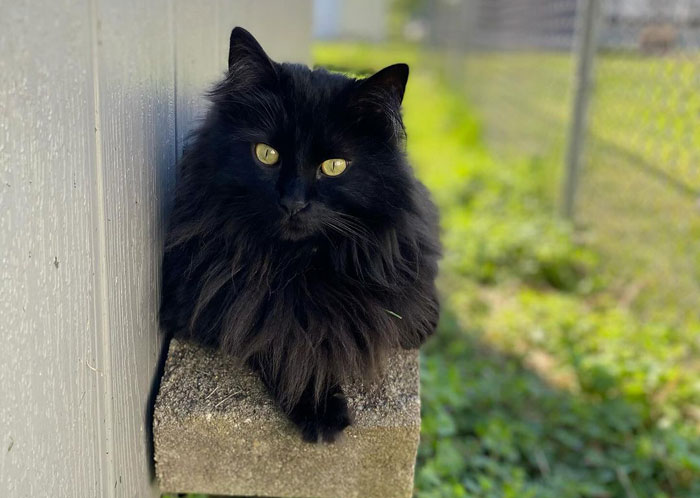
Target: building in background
<point x="669" y="10"/>
<point x="651" y="25"/>
<point x="351" y="19"/>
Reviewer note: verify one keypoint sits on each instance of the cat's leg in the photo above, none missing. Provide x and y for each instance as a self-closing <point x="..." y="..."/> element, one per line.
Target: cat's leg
<point x="322" y="419"/>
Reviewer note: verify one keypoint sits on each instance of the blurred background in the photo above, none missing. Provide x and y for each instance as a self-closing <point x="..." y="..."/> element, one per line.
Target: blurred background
<point x="561" y="140"/>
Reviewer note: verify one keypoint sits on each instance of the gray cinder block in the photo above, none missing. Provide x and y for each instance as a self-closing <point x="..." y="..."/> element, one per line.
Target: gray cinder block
<point x="216" y="430"/>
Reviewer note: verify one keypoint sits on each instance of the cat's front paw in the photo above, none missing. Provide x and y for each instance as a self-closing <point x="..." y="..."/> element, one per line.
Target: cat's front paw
<point x="327" y="421"/>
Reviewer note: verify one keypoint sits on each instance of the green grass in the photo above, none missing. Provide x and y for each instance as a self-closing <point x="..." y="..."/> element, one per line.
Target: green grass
<point x="567" y="361"/>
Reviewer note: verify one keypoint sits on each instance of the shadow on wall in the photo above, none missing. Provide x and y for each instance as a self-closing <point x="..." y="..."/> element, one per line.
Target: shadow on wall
<point x="165" y="172"/>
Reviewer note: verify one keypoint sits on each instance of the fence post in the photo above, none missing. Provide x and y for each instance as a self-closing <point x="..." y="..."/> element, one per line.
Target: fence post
<point x="585" y="49"/>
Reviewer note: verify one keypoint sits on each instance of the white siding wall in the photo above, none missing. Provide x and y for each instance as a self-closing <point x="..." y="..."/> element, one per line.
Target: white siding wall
<point x="96" y="98"/>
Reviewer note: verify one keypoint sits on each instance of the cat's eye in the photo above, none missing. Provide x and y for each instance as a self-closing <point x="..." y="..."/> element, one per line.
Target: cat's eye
<point x="266" y="154"/>
<point x="333" y="167"/>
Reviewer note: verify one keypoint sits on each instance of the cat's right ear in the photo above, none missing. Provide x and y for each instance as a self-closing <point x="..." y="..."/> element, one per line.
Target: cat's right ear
<point x="246" y="58"/>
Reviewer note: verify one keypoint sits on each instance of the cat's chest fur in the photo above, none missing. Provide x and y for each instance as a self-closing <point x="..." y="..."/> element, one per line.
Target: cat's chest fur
<point x="322" y="278"/>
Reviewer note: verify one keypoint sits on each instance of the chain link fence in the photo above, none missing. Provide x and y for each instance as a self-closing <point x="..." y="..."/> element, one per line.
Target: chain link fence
<point x="640" y="185"/>
<point x="605" y="96"/>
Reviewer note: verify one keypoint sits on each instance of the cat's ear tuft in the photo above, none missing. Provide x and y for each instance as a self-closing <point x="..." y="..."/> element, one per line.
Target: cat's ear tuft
<point x="390" y="81"/>
<point x="246" y="56"/>
<point x="378" y="99"/>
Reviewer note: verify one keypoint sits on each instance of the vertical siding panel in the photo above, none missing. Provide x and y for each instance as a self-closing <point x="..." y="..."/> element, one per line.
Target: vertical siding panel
<point x="137" y="120"/>
<point x="198" y="64"/>
<point x="50" y="379"/>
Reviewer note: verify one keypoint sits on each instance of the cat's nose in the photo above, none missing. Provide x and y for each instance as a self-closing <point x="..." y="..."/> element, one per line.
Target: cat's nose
<point x="293" y="206"/>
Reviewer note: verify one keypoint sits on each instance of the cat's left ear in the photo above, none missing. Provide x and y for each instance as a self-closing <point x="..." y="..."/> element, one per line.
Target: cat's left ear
<point x="388" y="84"/>
<point x="378" y="98"/>
<point x="246" y="58"/>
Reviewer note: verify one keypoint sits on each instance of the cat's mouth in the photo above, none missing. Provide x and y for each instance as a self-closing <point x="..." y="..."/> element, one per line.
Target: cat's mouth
<point x="295" y="227"/>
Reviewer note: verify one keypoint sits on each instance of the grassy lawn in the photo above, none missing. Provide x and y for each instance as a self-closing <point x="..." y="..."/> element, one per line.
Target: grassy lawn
<point x="566" y="362"/>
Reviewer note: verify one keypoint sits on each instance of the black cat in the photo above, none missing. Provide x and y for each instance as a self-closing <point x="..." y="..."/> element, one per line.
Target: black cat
<point x="300" y="241"/>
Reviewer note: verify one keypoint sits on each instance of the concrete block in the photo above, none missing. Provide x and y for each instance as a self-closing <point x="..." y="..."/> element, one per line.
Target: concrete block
<point x="217" y="431"/>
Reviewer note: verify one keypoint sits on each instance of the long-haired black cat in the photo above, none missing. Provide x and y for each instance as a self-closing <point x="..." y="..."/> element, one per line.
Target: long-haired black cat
<point x="300" y="241"/>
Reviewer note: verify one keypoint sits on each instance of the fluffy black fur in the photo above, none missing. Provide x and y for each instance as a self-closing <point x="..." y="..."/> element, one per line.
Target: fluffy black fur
<point x="309" y="279"/>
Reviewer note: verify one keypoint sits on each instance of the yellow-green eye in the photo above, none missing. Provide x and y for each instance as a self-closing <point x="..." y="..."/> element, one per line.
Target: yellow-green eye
<point x="333" y="167"/>
<point x="266" y="154"/>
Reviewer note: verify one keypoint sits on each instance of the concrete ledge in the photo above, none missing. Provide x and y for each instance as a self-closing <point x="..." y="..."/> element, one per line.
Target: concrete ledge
<point x="217" y="431"/>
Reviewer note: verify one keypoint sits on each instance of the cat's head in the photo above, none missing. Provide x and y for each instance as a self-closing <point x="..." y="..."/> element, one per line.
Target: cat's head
<point x="297" y="153"/>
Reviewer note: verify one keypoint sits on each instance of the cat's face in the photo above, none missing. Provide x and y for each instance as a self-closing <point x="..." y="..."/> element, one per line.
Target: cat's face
<point x="303" y="153"/>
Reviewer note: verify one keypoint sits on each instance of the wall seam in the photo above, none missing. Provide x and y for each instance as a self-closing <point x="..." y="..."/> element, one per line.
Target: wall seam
<point x="102" y="307"/>
<point x="173" y="37"/>
<point x="219" y="12"/>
